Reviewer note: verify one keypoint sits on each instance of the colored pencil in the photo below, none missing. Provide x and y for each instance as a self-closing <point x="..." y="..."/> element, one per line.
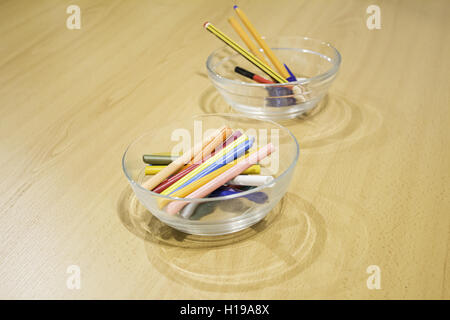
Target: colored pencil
<point x="292" y="76"/>
<point x="205" y="164"/>
<point x="227" y="158"/>
<point x="247" y="55"/>
<point x="174" y="166"/>
<point x="158" y="159"/>
<point x="261" y="42"/>
<point x="170" y="181"/>
<point x="151" y="170"/>
<point x="229" y="140"/>
<point x="251" y="75"/>
<point x="285" y="93"/>
<point x="218" y="140"/>
<point x="254" y="181"/>
<point x="203" y="191"/>
<point x="258" y="197"/>
<point x="167" y="183"/>
<point x="198" y="183"/>
<point x="248" y="42"/>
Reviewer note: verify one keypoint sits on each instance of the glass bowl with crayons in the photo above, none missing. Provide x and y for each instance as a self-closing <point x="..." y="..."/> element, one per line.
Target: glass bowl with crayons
<point x="312" y="66"/>
<point x="212" y="174"/>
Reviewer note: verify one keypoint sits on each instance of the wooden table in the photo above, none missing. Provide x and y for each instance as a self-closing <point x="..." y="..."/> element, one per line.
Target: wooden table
<point x="371" y="186"/>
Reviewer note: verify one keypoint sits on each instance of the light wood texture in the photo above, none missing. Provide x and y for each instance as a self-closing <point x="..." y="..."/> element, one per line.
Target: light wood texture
<point x="371" y="186"/>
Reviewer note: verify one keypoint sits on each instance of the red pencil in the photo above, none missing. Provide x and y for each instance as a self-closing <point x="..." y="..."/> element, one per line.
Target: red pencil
<point x="251" y="75"/>
<point x="167" y="183"/>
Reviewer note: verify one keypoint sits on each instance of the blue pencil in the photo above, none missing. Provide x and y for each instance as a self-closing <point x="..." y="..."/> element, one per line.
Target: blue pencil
<point x="235" y="153"/>
<point x="292" y="76"/>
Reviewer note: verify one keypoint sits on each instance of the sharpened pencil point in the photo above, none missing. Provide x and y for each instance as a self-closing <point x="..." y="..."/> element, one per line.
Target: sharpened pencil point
<point x="235" y="6"/>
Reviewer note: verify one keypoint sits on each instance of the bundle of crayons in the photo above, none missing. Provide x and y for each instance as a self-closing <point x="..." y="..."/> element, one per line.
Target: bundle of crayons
<point x="256" y="57"/>
<point x="217" y="166"/>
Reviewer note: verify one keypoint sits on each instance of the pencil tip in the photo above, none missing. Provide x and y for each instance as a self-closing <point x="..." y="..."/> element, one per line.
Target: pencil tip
<point x="235" y="7"/>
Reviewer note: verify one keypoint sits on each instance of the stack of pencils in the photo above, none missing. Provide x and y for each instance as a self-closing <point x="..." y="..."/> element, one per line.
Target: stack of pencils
<point x="219" y="165"/>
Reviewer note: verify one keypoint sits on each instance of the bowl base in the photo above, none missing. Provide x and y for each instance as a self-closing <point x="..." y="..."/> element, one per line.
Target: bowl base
<point x="212" y="230"/>
<point x="275" y="113"/>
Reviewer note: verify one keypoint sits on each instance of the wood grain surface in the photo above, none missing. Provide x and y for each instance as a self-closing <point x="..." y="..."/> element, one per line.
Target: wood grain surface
<point x="371" y="186"/>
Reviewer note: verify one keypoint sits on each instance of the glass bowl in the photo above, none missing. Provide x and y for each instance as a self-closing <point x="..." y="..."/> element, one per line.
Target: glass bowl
<point x="314" y="63"/>
<point x="215" y="215"/>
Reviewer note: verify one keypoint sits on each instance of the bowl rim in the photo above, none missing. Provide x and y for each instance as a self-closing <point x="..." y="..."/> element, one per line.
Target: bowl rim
<point x="237" y="195"/>
<point x="329" y="73"/>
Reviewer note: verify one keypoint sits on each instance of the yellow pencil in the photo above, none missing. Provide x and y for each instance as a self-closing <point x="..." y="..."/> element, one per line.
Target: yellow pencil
<point x="179" y="162"/>
<point x="200" y="182"/>
<point x="248" y="42"/>
<point x="196" y="184"/>
<point x="150" y="170"/>
<point x="281" y="69"/>
<point x="247" y="55"/>
<point x="206" y="164"/>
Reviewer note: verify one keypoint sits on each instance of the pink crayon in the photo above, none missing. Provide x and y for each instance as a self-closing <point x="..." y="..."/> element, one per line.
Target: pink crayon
<point x="175" y="206"/>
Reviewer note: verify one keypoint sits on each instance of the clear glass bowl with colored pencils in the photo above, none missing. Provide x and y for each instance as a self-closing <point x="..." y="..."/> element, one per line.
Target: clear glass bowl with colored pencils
<point x="208" y="202"/>
<point x="313" y="62"/>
